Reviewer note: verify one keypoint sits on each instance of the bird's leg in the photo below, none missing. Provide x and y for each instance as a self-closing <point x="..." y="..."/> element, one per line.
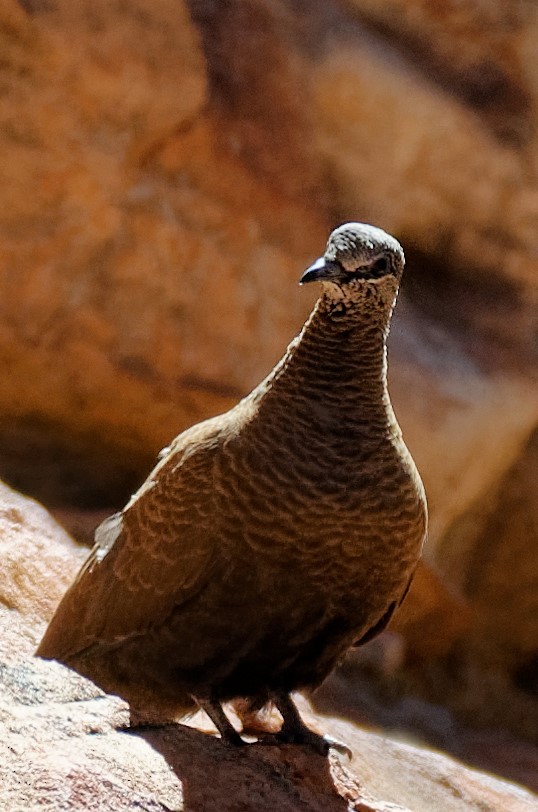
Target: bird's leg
<point x="220" y="720"/>
<point x="295" y="731"/>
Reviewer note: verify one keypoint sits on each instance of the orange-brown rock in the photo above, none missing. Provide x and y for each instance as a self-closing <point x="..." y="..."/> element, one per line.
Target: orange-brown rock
<point x="68" y="751"/>
<point x="432" y="616"/>
<point x="480" y="51"/>
<point x="502" y="543"/>
<point x="39" y="560"/>
<point x="128" y="247"/>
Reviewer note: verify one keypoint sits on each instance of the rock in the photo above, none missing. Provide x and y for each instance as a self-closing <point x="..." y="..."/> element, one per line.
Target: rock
<point x="477" y="50"/>
<point x="432" y="616"/>
<point x="70" y="752"/>
<point x="39" y="561"/>
<point x="507" y="609"/>
<point x="365" y="691"/>
<point x="490" y="556"/>
<point x="140" y="246"/>
<point x="440" y="169"/>
<point x="81" y="524"/>
<point x="401" y="129"/>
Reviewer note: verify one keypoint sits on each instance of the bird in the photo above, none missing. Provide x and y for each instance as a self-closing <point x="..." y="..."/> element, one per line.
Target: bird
<point x="268" y="540"/>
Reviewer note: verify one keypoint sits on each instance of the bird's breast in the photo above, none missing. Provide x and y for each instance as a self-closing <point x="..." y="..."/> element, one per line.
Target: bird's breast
<point x="332" y="523"/>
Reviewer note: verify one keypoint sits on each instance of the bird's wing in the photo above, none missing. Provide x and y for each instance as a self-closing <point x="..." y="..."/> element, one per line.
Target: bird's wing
<point x="384" y="621"/>
<point x="155" y="555"/>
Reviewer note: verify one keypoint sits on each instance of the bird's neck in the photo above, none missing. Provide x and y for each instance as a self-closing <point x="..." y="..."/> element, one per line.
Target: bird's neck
<point x="335" y="372"/>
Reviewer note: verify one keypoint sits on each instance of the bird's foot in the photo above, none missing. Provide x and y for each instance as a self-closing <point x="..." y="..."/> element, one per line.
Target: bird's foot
<point x="320" y="744"/>
<point x="338" y="746"/>
<point x="294" y="730"/>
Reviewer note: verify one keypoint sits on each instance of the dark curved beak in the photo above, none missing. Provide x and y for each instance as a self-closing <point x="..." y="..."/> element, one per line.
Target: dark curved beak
<point x="319" y="270"/>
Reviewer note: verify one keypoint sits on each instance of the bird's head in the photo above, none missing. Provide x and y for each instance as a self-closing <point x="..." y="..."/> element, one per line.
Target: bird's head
<point x="359" y="258"/>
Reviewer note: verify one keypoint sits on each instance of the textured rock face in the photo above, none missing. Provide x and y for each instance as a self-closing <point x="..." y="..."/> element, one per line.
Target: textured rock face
<point x="168" y="169"/>
<point x="63" y="744"/>
<point x="39" y="559"/>
<point x="134" y="247"/>
<point x="496" y="539"/>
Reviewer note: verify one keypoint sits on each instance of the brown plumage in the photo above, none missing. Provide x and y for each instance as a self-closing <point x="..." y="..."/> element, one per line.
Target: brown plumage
<point x="269" y="539"/>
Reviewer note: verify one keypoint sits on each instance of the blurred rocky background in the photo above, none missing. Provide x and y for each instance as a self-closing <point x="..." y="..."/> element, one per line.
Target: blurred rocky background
<point x="168" y="168"/>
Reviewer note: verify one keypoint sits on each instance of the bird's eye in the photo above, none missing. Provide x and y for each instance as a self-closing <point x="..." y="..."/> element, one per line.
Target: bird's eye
<point x="380" y="264"/>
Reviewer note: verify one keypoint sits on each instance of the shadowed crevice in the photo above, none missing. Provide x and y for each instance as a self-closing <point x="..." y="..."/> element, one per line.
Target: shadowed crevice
<point x="255" y="777"/>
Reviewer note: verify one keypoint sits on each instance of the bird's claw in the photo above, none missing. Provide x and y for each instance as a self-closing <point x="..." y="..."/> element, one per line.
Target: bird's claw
<point x="340" y="747"/>
<point x="321" y="744"/>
